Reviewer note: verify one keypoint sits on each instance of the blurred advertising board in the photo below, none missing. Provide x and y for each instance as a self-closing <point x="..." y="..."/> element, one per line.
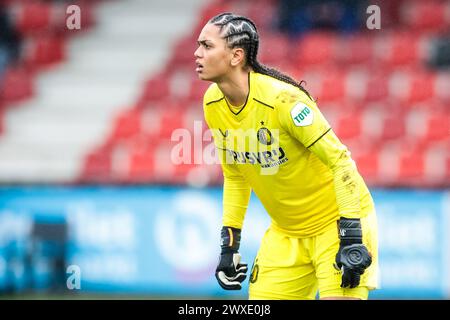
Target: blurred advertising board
<point x="165" y="240"/>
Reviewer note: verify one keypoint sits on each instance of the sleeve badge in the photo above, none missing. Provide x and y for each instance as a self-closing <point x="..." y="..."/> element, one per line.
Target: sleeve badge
<point x="302" y="115"/>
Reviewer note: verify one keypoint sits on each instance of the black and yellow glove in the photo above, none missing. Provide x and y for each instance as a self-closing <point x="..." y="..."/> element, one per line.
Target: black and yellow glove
<point x="230" y="272"/>
<point x="353" y="257"/>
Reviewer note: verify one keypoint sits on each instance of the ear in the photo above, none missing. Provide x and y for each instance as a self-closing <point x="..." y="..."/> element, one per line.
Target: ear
<point x="238" y="56"/>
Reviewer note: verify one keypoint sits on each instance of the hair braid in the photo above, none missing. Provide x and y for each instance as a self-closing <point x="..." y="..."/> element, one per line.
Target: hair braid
<point x="241" y="32"/>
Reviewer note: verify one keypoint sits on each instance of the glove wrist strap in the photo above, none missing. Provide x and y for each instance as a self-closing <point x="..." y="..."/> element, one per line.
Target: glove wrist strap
<point x="350" y="231"/>
<point x="230" y="239"/>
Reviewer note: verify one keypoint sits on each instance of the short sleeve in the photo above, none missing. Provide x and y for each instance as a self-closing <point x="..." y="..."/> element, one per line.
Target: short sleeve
<point x="301" y="117"/>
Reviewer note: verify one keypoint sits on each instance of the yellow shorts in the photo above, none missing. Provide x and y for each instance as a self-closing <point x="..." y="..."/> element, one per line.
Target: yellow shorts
<point x="299" y="268"/>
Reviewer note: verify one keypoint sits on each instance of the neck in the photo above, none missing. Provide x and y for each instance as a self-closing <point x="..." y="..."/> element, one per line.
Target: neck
<point x="235" y="87"/>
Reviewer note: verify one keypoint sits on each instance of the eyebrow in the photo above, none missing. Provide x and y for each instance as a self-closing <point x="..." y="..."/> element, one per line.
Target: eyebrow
<point x="203" y="42"/>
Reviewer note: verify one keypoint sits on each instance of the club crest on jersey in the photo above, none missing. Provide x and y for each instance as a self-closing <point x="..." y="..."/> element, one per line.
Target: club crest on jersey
<point x="264" y="136"/>
<point x="302" y="115"/>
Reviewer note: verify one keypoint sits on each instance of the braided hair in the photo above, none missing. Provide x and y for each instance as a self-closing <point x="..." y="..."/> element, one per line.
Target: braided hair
<point x="239" y="31"/>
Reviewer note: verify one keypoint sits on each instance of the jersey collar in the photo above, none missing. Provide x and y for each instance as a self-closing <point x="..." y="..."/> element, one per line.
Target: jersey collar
<point x="243" y="112"/>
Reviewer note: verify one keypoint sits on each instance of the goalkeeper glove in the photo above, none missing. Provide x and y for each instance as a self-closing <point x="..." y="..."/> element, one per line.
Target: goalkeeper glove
<point x="353" y="257"/>
<point x="230" y="272"/>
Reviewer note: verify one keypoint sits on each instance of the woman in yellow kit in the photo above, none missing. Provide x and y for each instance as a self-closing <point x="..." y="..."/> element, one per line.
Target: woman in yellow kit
<point x="272" y="139"/>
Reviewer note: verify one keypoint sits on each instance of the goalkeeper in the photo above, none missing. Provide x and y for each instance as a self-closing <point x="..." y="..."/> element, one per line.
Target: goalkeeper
<point x="273" y="139"/>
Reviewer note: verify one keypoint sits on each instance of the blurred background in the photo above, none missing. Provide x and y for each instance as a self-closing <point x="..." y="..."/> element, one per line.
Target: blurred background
<point x="92" y="203"/>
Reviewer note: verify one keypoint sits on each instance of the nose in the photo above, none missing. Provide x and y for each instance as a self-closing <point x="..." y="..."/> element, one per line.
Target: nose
<point x="197" y="52"/>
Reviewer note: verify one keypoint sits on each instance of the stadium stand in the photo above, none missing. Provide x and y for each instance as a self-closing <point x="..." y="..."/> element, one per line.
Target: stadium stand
<point x="378" y="89"/>
<point x="60" y="100"/>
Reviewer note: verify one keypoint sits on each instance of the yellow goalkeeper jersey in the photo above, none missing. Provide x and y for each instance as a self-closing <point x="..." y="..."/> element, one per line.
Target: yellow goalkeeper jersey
<point x="280" y="146"/>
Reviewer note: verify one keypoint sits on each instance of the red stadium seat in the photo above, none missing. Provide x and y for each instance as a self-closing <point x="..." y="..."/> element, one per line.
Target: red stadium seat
<point x="441" y="87"/>
<point x="184" y="53"/>
<point x="387" y="164"/>
<point x="332" y="86"/>
<point x="197" y="90"/>
<point x="150" y="123"/>
<point x="171" y="121"/>
<point x="427" y="127"/>
<point x="33" y="16"/>
<point x="432" y="105"/>
<point x="393" y="125"/>
<point x="44" y="50"/>
<point x="188" y="150"/>
<point x="16" y="85"/>
<point x="163" y="163"/>
<point x="315" y="48"/>
<point x="415" y="124"/>
<point x="127" y="125"/>
<point x="397" y="49"/>
<point x="367" y="164"/>
<point x="191" y="170"/>
<point x="372" y="122"/>
<point x="182" y="171"/>
<point x="425" y="15"/>
<point x="97" y="166"/>
<point x="274" y="49"/>
<point x="437" y="127"/>
<point x="156" y="88"/>
<point x="356" y="83"/>
<point x="193" y="121"/>
<point x="412" y="87"/>
<point x="142" y="165"/>
<point x="436" y="166"/>
<point x="355" y="49"/>
<point x="376" y="87"/>
<point x="411" y="166"/>
<point x="421" y="87"/>
<point x="348" y="126"/>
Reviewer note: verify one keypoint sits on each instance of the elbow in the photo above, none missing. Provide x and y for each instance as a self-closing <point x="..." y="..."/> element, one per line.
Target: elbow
<point x="343" y="161"/>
